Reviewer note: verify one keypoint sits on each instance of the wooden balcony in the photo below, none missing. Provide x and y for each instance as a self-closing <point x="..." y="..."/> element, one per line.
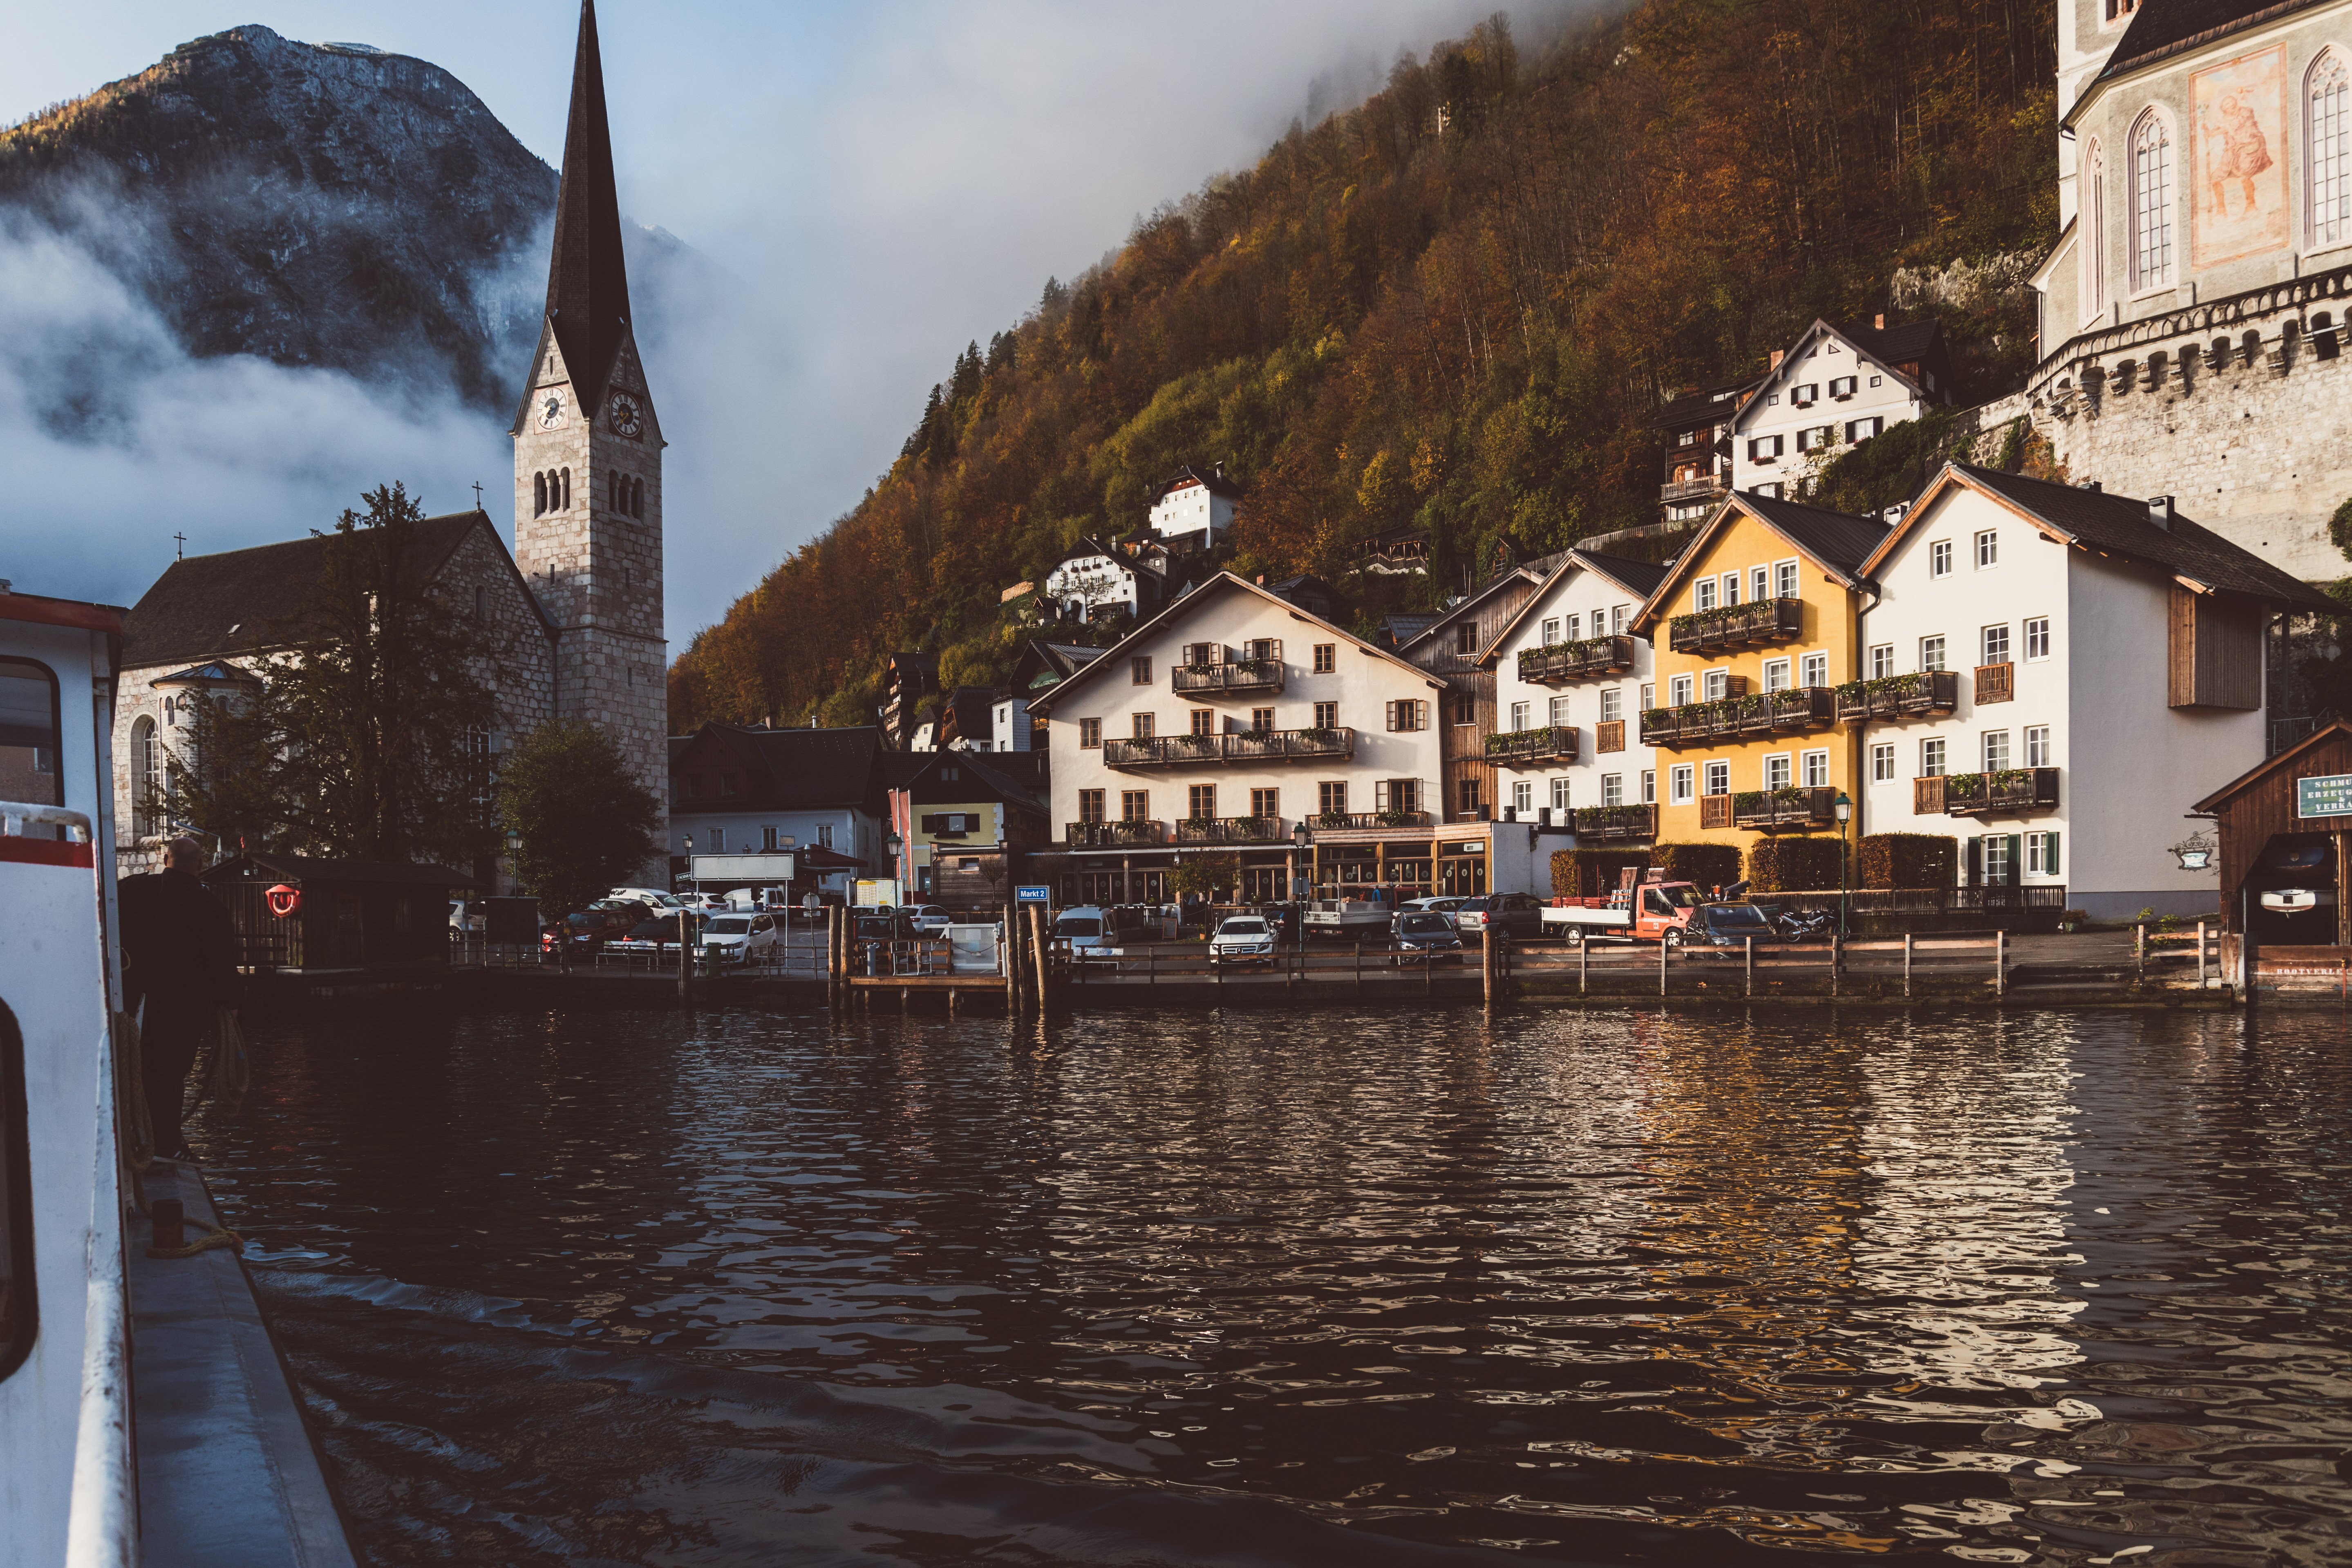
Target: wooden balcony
<point x="1252" y="676"/>
<point x="2010" y="791"/>
<point x="1609" y="735"/>
<point x="1789" y="810"/>
<point x="1785" y="712"/>
<point x="1996" y="683"/>
<point x="1931" y="693"/>
<point x="1714" y="811"/>
<point x="1737" y="626"/>
<point x="1113" y="835"/>
<point x="1240" y="746"/>
<point x="1615" y="823"/>
<point x="1551" y="743"/>
<point x="1229" y="830"/>
<point x="1558" y="663"/>
<point x="1691" y="489"/>
<point x="1367" y="821"/>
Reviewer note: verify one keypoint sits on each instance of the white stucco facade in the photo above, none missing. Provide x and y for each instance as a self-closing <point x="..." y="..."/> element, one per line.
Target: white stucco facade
<point x="2084" y="637"/>
<point x="1593" y="696"/>
<point x="1081" y="586"/>
<point x="1826" y="395"/>
<point x="1189" y="506"/>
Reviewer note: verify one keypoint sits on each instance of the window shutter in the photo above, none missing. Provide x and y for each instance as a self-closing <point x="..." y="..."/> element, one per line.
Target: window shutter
<point x="1380" y="795"/>
<point x="2016" y="859"/>
<point x="1973" y="861"/>
<point x="928" y="824"/>
<point x="1421" y="713"/>
<point x="2050" y="853"/>
<point x="1391" y="709"/>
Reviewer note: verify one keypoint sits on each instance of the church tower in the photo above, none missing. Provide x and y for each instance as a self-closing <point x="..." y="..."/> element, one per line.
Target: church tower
<point x="588" y="447"/>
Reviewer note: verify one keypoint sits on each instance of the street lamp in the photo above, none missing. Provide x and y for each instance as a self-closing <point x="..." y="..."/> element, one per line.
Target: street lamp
<point x="1302" y="839"/>
<point x="1845" y="815"/>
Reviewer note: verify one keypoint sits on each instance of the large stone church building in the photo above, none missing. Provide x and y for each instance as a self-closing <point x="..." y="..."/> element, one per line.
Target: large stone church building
<point x="575" y="610"/>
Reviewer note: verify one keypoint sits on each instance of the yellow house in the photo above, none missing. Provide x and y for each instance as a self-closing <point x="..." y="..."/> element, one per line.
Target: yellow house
<point x="1753" y="628"/>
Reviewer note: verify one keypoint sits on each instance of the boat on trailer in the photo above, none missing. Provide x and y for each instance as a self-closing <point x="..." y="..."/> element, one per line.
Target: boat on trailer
<point x="145" y="1418"/>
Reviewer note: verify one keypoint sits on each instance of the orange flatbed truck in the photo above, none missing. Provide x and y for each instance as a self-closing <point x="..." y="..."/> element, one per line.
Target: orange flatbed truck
<point x="1653" y="911"/>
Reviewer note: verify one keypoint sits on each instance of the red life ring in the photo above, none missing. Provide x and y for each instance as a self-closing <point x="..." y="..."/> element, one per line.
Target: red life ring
<point x="284" y="900"/>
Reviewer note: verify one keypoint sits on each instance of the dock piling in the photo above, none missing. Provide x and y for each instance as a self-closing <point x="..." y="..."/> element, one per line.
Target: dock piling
<point x="1752" y="966"/>
<point x="1906" y="966"/>
<point x="2001" y="962"/>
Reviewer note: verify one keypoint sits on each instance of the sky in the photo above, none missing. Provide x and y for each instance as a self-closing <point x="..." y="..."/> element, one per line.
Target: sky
<point x="884" y="182"/>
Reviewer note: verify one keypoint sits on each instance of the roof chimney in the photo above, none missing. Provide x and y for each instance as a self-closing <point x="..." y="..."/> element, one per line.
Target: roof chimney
<point x="1776" y="358"/>
<point x="1879" y="320"/>
<point x="1894" y="514"/>
<point x="2092" y="486"/>
<point x="2160" y="512"/>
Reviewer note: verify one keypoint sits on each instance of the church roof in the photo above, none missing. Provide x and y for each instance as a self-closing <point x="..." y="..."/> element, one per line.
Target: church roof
<point x="587" y="279"/>
<point x="2164" y="27"/>
<point x="231" y="603"/>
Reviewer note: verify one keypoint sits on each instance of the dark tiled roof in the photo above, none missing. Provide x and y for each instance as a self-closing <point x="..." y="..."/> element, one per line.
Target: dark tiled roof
<point x="1833" y="538"/>
<point x="805" y="770"/>
<point x="1906" y="342"/>
<point x="1638" y="577"/>
<point x="186" y="615"/>
<point x="2168" y="26"/>
<point x="1707" y="403"/>
<point x="2118" y="525"/>
<point x="1214" y="482"/>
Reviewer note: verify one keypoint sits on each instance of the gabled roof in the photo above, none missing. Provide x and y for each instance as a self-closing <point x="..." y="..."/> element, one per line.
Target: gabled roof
<point x="2118" y="526"/>
<point x="1638" y="578"/>
<point x="989" y="780"/>
<point x="231" y="603"/>
<point x="2335" y="729"/>
<point x="794" y="770"/>
<point x="2166" y="27"/>
<point x="1888" y="348"/>
<point x="1708" y="403"/>
<point x="211" y="673"/>
<point x="1905" y="342"/>
<point x="1215" y="483"/>
<point x="1198" y="598"/>
<point x="1470" y="603"/>
<point x="1833" y="541"/>
<point x="1086" y="547"/>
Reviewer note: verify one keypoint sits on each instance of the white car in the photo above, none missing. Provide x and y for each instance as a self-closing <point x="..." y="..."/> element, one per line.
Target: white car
<point x="742" y="936"/>
<point x="648" y="895"/>
<point x="929" y="918"/>
<point x="1243" y="939"/>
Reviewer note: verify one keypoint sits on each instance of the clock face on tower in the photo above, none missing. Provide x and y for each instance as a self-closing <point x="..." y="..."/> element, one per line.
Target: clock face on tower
<point x="628" y="419"/>
<point x="551" y="409"/>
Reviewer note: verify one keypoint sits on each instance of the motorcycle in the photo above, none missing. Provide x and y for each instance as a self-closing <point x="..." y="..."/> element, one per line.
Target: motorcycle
<point x="1807" y="925"/>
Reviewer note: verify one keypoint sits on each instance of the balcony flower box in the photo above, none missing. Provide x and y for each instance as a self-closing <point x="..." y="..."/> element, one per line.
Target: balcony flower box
<point x="1796" y="806"/>
<point x="1892" y="697"/>
<point x="1737" y="625"/>
<point x="1615" y="823"/>
<point x="2009" y="790"/>
<point x="1545" y="743"/>
<point x="1557" y="662"/>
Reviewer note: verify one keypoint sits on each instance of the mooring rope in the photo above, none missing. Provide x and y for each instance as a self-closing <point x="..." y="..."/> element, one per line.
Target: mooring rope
<point x="215" y="1235"/>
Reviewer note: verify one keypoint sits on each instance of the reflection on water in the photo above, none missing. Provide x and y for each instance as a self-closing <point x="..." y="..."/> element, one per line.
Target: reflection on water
<point x="1276" y="1288"/>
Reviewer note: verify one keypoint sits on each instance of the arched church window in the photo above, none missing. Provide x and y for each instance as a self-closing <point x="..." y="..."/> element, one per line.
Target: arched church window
<point x="565" y="504"/>
<point x="2328" y="127"/>
<point x="146" y="777"/>
<point x="637" y="497"/>
<point x="2151" y="201"/>
<point x="2094" y="226"/>
<point x="539" y="495"/>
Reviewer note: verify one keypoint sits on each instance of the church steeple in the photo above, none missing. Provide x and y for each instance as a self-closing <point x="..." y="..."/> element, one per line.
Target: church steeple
<point x="587" y="279"/>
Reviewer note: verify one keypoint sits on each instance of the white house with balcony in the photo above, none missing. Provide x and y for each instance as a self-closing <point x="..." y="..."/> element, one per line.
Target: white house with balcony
<point x="1095" y="579"/>
<point x="1234" y="724"/>
<point x="1571" y="683"/>
<point x="1838" y="385"/>
<point x="2054" y="676"/>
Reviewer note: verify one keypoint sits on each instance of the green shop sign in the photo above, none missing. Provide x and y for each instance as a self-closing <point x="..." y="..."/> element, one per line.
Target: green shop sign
<point x="2327" y="796"/>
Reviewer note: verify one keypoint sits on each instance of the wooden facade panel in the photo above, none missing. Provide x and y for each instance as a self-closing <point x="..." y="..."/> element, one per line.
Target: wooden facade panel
<point x="2266" y="808"/>
<point x="2213" y="652"/>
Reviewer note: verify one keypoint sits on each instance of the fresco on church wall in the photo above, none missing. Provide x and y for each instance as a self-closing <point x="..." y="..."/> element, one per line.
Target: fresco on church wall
<point x="2238" y="147"/>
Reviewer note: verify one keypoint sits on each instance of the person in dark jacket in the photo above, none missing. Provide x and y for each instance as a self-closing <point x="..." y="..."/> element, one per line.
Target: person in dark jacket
<point x="179" y="953"/>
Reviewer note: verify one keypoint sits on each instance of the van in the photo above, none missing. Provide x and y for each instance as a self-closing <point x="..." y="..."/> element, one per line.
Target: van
<point x="1089" y="929"/>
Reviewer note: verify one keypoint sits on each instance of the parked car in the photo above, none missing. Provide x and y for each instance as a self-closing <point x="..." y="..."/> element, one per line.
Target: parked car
<point x="586" y="932"/>
<point x="465" y="916"/>
<point x="1444" y="905"/>
<point x="1243" y="939"/>
<point x="929" y="919"/>
<point x="1088" y="928"/>
<point x="633" y="910"/>
<point x="742" y="937"/>
<point x="658" y="899"/>
<point x="1516" y="915"/>
<point x="1728" y="925"/>
<point x="655" y="936"/>
<point x="1426" y="936"/>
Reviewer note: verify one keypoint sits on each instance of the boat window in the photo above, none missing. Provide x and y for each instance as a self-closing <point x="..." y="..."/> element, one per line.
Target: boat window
<point x="29" y="741"/>
<point x="16" y="1293"/>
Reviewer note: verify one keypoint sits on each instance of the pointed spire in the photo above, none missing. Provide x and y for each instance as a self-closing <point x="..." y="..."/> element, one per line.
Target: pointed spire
<point x="587" y="282"/>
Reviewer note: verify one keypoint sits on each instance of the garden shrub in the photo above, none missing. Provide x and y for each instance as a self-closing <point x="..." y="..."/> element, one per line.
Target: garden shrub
<point x="1908" y="860"/>
<point x="1798" y="865"/>
<point x="1706" y="865"/>
<point x="1592" y="873"/>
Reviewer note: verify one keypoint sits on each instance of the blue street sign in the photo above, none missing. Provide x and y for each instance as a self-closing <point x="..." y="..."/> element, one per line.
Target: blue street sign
<point x="1032" y="895"/>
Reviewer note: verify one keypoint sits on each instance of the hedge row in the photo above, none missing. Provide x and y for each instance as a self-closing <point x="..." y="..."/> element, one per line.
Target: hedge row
<point x="1794" y="864"/>
<point x="1800" y="864"/>
<point x="1706" y="865"/>
<point x="1908" y="860"/>
<point x="1593" y="873"/>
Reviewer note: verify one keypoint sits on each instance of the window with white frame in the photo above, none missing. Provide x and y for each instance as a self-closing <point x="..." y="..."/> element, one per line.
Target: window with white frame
<point x="1857" y="431"/>
<point x="1718" y="684"/>
<point x="1555" y="713"/>
<point x="1806" y="394"/>
<point x="2042" y="855"/>
<point x="1617" y="614"/>
<point x="1773" y="490"/>
<point x="1678" y="690"/>
<point x="1932" y="757"/>
<point x="1779" y="769"/>
<point x="1763" y="448"/>
<point x="1679" y="778"/>
<point x="1612" y="703"/>
<point x="1996" y="751"/>
<point x="1730" y="588"/>
<point x="1994" y="645"/>
<point x="1649" y="694"/>
<point x="1777" y="674"/>
<point x="1550" y="630"/>
<point x="1613" y="789"/>
<point x="1784" y="579"/>
<point x="1931" y="653"/>
<point x="1816" y="769"/>
<point x="1759" y="583"/>
<point x="2151" y="201"/>
<point x="1841" y="387"/>
<point x="1560" y="788"/>
<point x="1988" y="549"/>
<point x="2037" y="745"/>
<point x="1520" y="715"/>
<point x="1703" y="594"/>
<point x="1599" y="620"/>
<point x="1940" y="558"/>
<point x="2327" y="130"/>
<point x="1813" y="669"/>
<point x="1649" y="786"/>
<point x="1996" y="859"/>
<point x="1881" y="762"/>
<point x="1575" y="628"/>
<point x="1718" y="778"/>
<point x="1882" y="661"/>
<point x="1523" y="797"/>
<point x="2037" y="639"/>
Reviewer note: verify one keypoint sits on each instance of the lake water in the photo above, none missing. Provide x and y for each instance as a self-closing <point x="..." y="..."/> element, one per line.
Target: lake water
<point x="1282" y="1287"/>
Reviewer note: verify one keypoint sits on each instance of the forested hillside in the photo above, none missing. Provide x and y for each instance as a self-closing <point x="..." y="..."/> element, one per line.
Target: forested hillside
<point x="1458" y="305"/>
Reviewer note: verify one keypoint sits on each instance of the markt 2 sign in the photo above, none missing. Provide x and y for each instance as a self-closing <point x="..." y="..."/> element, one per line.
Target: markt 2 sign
<point x="1032" y="895"/>
<point x="2328" y="795"/>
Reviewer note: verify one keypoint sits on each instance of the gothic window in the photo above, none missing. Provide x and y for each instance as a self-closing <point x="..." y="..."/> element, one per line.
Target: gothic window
<point x="637" y="497"/>
<point x="565" y="504"/>
<point x="2151" y="201"/>
<point x="539" y="495"/>
<point x="2329" y="126"/>
<point x="146" y="777"/>
<point x="2091" y="243"/>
